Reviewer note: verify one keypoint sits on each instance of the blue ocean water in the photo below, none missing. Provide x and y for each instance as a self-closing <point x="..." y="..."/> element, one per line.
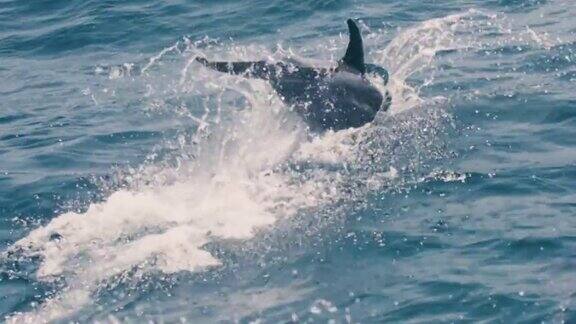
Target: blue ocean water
<point x="137" y="185"/>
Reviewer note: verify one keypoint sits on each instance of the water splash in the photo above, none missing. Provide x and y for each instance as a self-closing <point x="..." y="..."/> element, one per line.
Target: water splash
<point x="248" y="165"/>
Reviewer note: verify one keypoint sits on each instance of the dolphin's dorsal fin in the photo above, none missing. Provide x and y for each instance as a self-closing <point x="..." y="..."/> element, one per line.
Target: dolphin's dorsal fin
<point x="354" y="57"/>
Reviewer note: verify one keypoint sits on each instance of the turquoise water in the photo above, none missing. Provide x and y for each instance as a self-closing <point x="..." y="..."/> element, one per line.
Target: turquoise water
<point x="137" y="185"/>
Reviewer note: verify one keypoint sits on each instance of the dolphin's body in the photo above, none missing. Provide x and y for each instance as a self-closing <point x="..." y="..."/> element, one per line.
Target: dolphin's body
<point x="333" y="99"/>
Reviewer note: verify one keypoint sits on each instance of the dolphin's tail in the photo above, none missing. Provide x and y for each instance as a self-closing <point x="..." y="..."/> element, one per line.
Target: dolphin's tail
<point x="259" y="69"/>
<point x="354" y="57"/>
<point x="382" y="72"/>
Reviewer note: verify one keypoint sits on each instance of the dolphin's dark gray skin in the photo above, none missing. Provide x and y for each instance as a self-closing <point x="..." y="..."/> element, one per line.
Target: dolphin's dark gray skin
<point x="334" y="99"/>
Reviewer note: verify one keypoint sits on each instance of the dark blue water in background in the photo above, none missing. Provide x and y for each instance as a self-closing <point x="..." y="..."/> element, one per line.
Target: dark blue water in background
<point x="135" y="185"/>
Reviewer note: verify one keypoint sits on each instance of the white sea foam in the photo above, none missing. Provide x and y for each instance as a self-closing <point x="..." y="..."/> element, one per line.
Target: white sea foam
<point x="253" y="165"/>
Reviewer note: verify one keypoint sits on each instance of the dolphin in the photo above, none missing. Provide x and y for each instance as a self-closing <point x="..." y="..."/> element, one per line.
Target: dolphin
<point x="334" y="98"/>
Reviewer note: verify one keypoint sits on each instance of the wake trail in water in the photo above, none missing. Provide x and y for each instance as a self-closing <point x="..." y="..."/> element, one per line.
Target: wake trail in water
<point x="249" y="164"/>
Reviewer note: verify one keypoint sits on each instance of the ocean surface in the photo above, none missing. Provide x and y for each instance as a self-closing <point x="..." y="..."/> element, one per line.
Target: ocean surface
<point x="136" y="185"/>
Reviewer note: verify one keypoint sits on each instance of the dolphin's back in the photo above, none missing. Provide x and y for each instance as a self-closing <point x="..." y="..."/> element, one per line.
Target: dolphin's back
<point x="329" y="100"/>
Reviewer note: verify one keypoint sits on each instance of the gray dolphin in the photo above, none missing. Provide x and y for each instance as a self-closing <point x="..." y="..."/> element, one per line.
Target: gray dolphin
<point x="335" y="98"/>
